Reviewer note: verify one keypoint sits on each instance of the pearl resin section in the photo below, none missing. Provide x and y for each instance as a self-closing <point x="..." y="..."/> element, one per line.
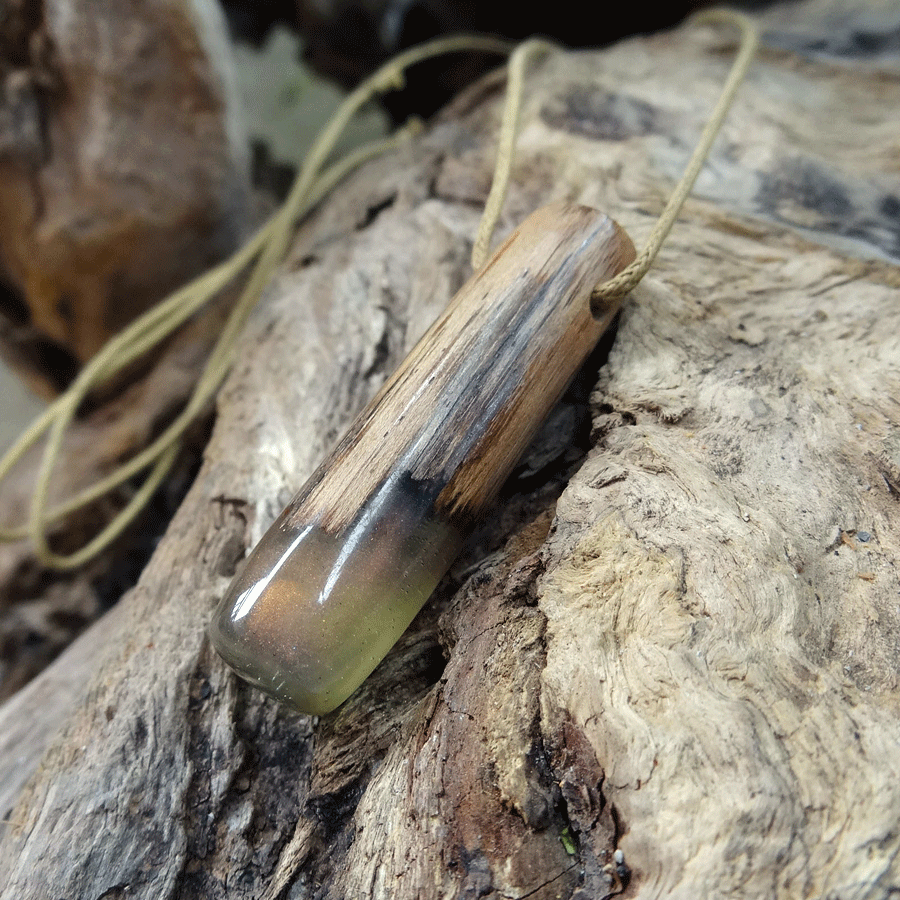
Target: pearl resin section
<point x="313" y="613"/>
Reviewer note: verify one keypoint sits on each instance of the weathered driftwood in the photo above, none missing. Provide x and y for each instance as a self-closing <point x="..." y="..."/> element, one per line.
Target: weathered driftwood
<point x="123" y="169"/>
<point x="690" y="656"/>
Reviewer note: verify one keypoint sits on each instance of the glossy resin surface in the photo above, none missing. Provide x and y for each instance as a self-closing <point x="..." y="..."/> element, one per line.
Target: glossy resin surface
<point x="313" y="613"/>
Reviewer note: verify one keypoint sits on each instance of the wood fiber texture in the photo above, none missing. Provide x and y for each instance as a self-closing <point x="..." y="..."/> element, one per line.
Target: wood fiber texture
<point x="464" y="405"/>
<point x="668" y="664"/>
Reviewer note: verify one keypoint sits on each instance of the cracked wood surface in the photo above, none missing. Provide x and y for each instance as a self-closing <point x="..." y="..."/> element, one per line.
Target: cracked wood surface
<point x="678" y="636"/>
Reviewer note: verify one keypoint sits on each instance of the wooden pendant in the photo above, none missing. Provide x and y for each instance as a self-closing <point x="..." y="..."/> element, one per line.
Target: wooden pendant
<point x="351" y="560"/>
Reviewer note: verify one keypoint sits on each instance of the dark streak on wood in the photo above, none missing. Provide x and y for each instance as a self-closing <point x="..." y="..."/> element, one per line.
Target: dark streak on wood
<point x="462" y="408"/>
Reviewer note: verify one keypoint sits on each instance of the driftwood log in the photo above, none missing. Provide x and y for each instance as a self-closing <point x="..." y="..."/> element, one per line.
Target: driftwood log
<point x="123" y="173"/>
<point x="668" y="664"/>
<point x="124" y="169"/>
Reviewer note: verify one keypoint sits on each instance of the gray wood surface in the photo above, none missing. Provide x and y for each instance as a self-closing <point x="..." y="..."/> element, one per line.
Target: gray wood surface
<point x="673" y="649"/>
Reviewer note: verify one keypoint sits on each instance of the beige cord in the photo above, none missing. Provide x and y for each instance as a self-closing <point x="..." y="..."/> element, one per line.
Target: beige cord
<point x="629" y="277"/>
<point x="515" y="81"/>
<point x="128" y="345"/>
<point x="265" y="249"/>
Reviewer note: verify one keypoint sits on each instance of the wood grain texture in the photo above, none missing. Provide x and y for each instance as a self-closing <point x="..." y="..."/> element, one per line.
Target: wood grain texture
<point x="691" y="657"/>
<point x="459" y="412"/>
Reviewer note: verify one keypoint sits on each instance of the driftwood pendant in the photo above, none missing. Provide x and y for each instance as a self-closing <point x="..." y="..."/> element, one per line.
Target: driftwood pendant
<point x="351" y="560"/>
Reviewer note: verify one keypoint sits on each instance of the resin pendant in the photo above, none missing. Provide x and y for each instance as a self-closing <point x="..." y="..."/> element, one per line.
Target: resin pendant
<point x="351" y="560"/>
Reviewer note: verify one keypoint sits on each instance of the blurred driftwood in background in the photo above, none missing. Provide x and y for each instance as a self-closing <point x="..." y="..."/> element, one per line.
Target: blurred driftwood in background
<point x="111" y="194"/>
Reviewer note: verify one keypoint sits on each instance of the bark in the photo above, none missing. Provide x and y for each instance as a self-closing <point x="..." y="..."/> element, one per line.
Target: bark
<point x="669" y="661"/>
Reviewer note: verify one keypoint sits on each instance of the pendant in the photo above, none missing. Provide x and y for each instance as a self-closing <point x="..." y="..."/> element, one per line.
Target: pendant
<point x="347" y="565"/>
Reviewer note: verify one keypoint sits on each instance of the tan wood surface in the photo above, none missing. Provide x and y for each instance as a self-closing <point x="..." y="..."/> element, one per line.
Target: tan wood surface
<point x="462" y="407"/>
